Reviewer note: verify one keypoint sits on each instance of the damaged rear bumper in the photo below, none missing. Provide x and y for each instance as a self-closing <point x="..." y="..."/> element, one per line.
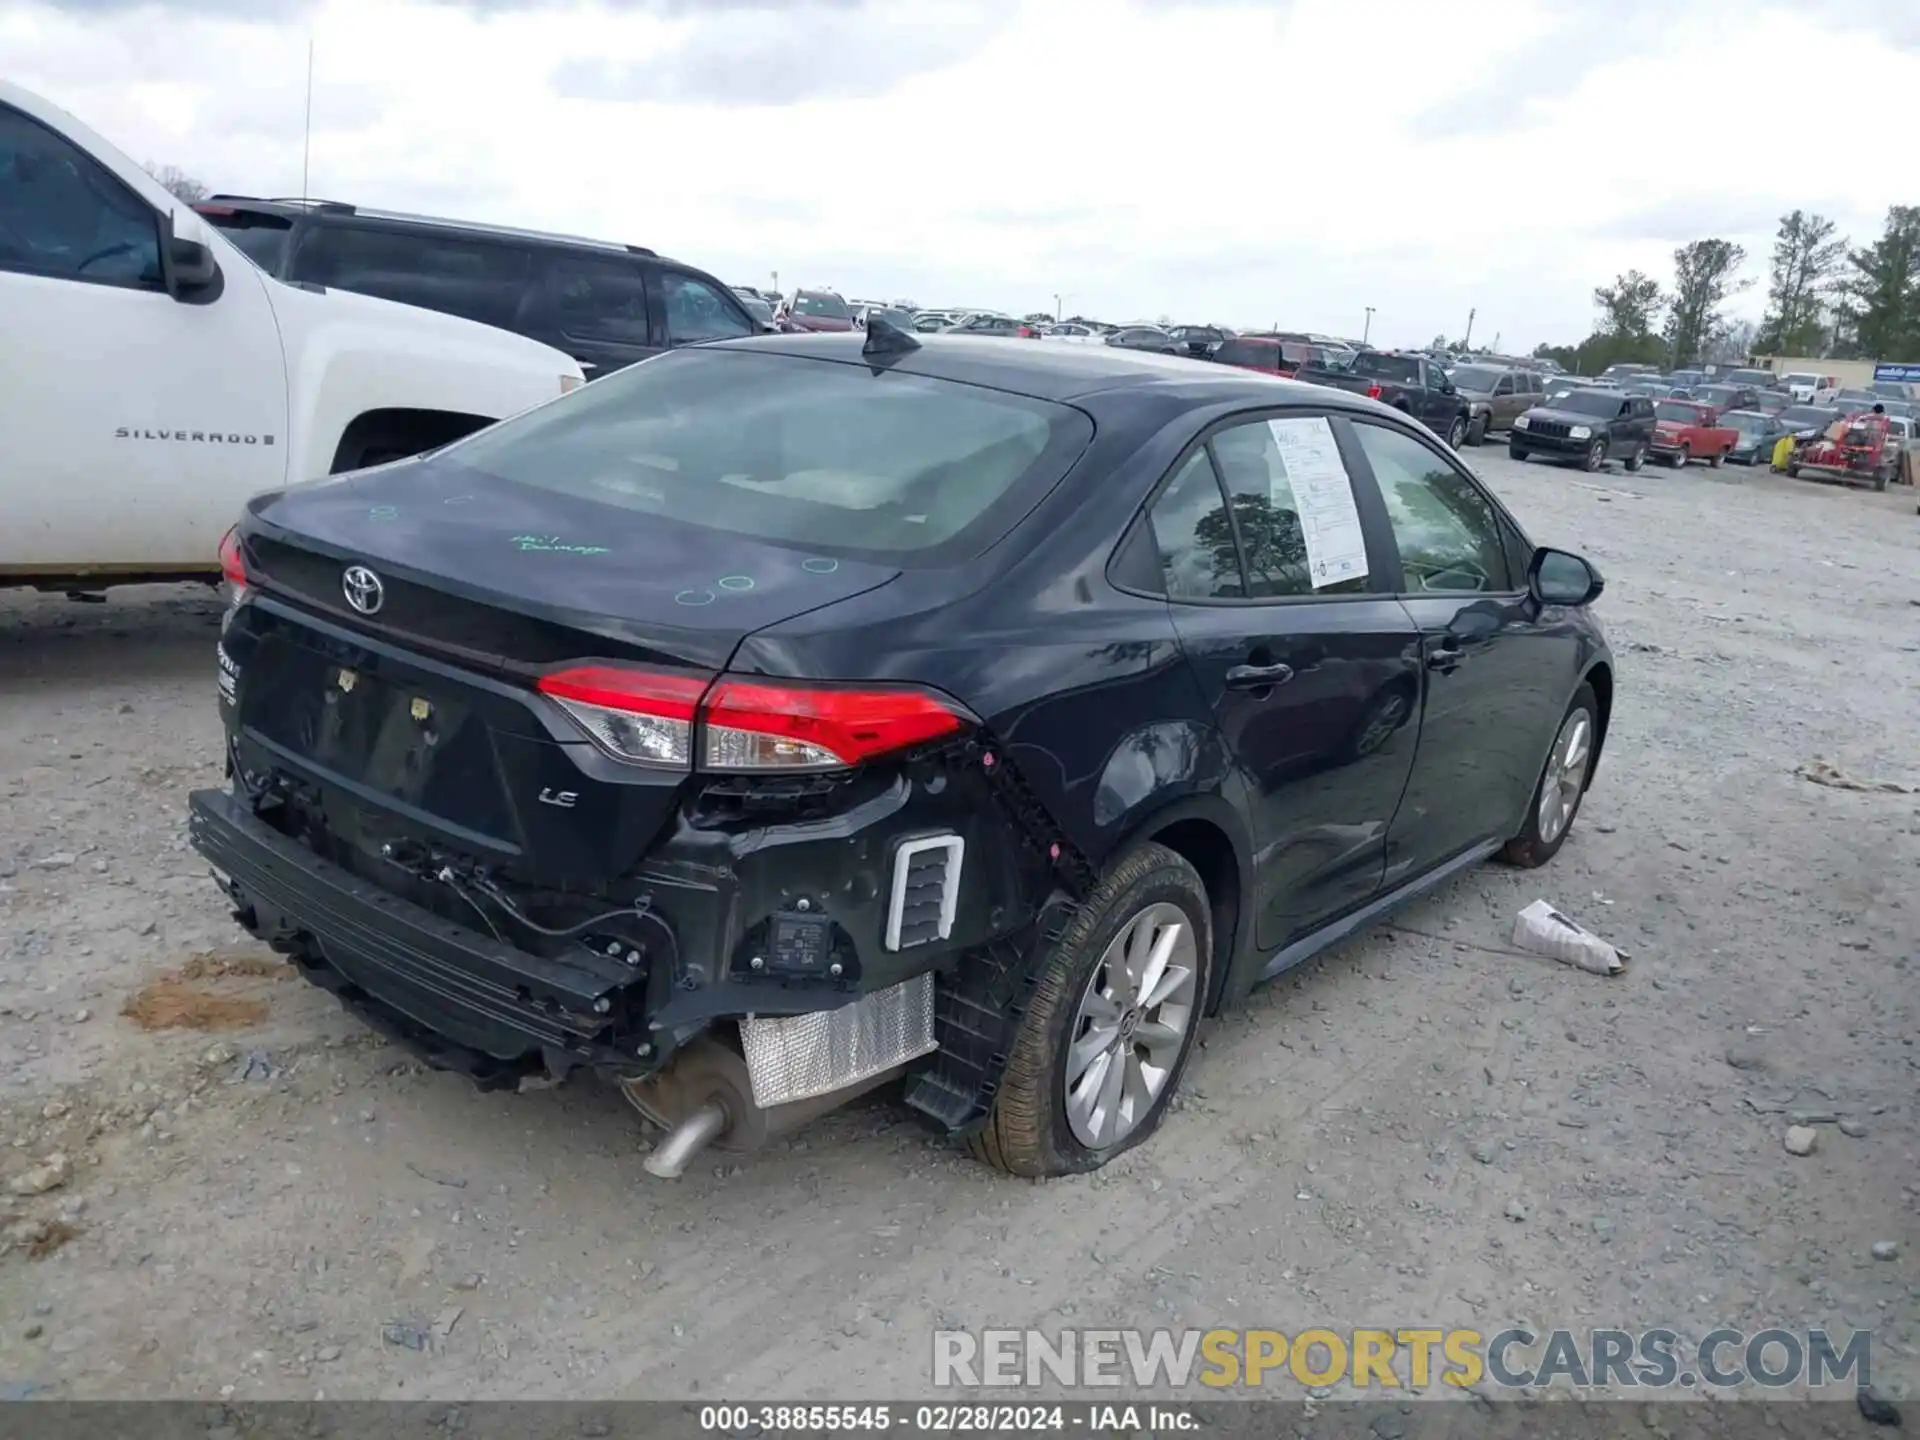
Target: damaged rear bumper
<point x="464" y="1000"/>
<point x="468" y="1001"/>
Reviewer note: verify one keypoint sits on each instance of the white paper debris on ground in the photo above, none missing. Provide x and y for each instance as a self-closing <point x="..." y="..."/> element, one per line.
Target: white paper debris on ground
<point x="1545" y="931"/>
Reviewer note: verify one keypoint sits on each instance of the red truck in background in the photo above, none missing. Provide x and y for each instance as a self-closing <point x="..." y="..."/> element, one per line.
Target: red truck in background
<point x="1683" y="431"/>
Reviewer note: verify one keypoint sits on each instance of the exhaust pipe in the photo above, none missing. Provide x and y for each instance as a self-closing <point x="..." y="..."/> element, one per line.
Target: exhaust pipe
<point x="671" y="1157"/>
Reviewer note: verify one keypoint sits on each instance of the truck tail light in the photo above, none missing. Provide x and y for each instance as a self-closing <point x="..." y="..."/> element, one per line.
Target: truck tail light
<point x="739" y="723"/>
<point x="1373" y="392"/>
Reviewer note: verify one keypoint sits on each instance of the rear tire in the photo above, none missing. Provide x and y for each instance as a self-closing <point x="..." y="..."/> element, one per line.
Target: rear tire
<point x="1029" y="1131"/>
<point x="1715" y="461"/>
<point x="1538" y="841"/>
<point x="1638" y="460"/>
<point x="1477" y="431"/>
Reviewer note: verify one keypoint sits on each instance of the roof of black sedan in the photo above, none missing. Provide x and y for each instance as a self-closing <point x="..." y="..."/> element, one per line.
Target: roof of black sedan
<point x="1043" y="370"/>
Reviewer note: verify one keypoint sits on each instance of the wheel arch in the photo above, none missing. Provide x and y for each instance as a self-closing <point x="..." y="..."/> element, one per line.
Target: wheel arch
<point x="1599" y="675"/>
<point x="423" y="429"/>
<point x="1205" y="832"/>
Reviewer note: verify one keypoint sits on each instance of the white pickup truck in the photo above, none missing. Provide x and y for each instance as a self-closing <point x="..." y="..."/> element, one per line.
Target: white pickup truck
<point x="152" y="378"/>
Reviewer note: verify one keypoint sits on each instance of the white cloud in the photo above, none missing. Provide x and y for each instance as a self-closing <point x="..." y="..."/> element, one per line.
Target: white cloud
<point x="1248" y="161"/>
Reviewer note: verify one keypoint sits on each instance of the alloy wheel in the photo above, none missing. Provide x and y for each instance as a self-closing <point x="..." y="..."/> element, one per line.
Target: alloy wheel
<point x="1131" y="1026"/>
<point x="1566" y="774"/>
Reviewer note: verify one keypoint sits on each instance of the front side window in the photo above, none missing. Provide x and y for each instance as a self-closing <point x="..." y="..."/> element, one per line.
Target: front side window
<point x="1267" y="513"/>
<point x="456" y="276"/>
<point x="696" y="311"/>
<point x="1197" y="555"/>
<point x="1448" y="531"/>
<point x="805" y="453"/>
<point x="63" y="216"/>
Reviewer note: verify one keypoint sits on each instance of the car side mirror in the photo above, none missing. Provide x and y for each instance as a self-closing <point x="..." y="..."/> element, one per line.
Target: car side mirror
<point x="1559" y="577"/>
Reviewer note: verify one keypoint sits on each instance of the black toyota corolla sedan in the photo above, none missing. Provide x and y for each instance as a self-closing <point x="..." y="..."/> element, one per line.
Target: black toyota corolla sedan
<point x="786" y="716"/>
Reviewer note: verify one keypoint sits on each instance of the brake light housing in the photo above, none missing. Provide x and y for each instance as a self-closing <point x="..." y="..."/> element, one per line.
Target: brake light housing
<point x="233" y="572"/>
<point x="746" y="724"/>
<point x="1373" y="392"/>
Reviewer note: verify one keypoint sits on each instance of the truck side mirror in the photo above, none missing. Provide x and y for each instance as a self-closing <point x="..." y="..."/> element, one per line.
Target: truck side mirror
<point x="191" y="264"/>
<point x="187" y="263"/>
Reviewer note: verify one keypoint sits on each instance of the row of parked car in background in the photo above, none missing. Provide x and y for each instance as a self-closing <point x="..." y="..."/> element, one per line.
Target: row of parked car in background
<point x="1798" y="423"/>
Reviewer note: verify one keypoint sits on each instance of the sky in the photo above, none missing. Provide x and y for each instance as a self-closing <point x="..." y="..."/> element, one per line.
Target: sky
<point x="1242" y="162"/>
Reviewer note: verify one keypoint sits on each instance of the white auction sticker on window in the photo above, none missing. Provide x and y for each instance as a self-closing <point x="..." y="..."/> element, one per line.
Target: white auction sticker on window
<point x="1323" y="499"/>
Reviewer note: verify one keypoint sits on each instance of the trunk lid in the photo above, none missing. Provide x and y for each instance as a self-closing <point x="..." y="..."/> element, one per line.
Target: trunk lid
<point x="419" y="720"/>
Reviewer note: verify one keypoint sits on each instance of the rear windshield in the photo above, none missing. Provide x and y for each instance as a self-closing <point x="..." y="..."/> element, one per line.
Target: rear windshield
<point x="1806" y="416"/>
<point x="1590" y="402"/>
<point x="826" y="457"/>
<point x="1375" y="366"/>
<point x="1475" y="377"/>
<point x="1750" y="377"/>
<point x="830" y="307"/>
<point x="1249" y="353"/>
<point x="1800" y="378"/>
<point x="1675" y="414"/>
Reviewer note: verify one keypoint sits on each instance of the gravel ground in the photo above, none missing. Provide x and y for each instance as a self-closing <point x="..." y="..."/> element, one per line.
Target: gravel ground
<point x="1424" y="1127"/>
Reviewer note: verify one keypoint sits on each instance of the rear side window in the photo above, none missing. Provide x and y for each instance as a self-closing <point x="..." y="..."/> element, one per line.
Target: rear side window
<point x="1267" y="516"/>
<point x="1198" y="558"/>
<point x="809" y="453"/>
<point x="63" y="216"/>
<point x="603" y="300"/>
<point x="473" y="279"/>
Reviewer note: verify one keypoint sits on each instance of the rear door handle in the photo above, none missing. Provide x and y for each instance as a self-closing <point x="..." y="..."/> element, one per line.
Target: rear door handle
<point x="1257" y="677"/>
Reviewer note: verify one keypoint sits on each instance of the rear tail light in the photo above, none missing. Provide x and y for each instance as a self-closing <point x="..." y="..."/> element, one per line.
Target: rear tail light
<point x="1373" y="392"/>
<point x="233" y="570"/>
<point x="652" y="717"/>
<point x="639" y="715"/>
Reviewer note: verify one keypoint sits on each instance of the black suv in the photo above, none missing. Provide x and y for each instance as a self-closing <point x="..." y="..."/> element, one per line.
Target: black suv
<point x="1592" y="426"/>
<point x="606" y="305"/>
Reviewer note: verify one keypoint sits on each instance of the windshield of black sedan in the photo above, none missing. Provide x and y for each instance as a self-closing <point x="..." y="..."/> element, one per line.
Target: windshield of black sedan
<point x="808" y="453"/>
<point x="1589" y="402"/>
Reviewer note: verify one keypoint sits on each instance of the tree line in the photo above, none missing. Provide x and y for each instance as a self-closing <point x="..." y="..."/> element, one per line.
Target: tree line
<point x="1826" y="299"/>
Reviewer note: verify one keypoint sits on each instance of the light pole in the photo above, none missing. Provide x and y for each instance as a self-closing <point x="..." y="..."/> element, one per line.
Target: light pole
<point x="1467" y="344"/>
<point x="1059" y="306"/>
<point x="1367" y="334"/>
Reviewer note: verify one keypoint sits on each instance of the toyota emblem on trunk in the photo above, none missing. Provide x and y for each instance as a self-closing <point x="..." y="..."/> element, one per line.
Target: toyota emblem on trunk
<point x="363" y="589"/>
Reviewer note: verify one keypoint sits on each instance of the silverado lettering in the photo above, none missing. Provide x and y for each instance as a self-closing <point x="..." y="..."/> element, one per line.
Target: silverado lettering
<point x="204" y="437"/>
